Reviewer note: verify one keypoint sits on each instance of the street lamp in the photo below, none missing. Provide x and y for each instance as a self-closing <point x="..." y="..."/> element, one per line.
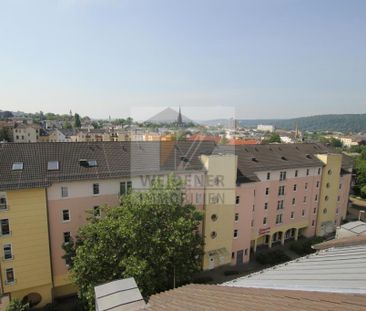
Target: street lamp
<point x="359" y="214"/>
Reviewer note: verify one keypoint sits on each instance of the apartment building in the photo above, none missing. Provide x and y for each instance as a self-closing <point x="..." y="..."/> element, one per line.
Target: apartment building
<point x="252" y="196"/>
<point x="25" y="133"/>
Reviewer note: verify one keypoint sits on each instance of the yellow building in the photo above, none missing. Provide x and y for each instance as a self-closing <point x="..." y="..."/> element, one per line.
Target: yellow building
<point x="330" y="181"/>
<point x="219" y="209"/>
<point x="25" y="265"/>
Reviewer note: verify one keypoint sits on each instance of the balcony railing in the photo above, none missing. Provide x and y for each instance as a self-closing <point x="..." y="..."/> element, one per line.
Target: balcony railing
<point x="4" y="207"/>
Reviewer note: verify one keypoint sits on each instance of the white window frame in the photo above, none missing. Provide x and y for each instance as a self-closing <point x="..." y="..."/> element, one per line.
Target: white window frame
<point x="11" y="252"/>
<point x="62" y="192"/>
<point x="62" y="215"/>
<point x="7" y="282"/>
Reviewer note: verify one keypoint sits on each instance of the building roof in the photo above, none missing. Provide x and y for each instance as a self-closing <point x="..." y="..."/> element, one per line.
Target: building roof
<point x="356" y="227"/>
<point x="113" y="160"/>
<point x="214" y="297"/>
<point x="340" y="269"/>
<point x="118" y="295"/>
<point x="257" y="158"/>
<point x="343" y="242"/>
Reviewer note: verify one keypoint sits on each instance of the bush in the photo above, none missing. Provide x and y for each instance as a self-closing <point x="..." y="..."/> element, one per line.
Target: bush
<point x="273" y="257"/>
<point x="303" y="247"/>
<point x="17" y="305"/>
<point x="363" y="192"/>
<point x="230" y="272"/>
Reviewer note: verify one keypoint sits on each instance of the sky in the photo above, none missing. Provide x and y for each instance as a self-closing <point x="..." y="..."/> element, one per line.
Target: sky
<point x="214" y="58"/>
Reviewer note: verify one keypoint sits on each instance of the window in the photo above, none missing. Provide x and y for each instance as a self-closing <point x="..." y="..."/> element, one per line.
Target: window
<point x="67" y="237"/>
<point x="307" y="172"/>
<point x="17" y="166"/>
<point x="329" y="172"/>
<point x="328" y="185"/>
<point x="252" y="223"/>
<point x="295" y="187"/>
<point x="267" y="191"/>
<point x="268" y="176"/>
<point x="5" y="228"/>
<point x="306" y="186"/>
<point x="95" y="188"/>
<point x="237" y="200"/>
<point x="293" y="201"/>
<point x="305" y="199"/>
<point x="64" y="192"/>
<point x="340" y="186"/>
<point x="338" y="198"/>
<point x="65" y="215"/>
<point x="281" y="190"/>
<point x="264" y="220"/>
<point x="246" y="252"/>
<point x="266" y="205"/>
<point x="280" y="204"/>
<point x="236" y="217"/>
<point x="296" y="173"/>
<point x="326" y="198"/>
<point x="235" y="233"/>
<point x="314" y="210"/>
<point x="303" y="213"/>
<point x="8" y="254"/>
<point x="232" y="255"/>
<point x="317" y="184"/>
<point x="313" y="223"/>
<point x="3" y="202"/>
<point x="337" y="210"/>
<point x="279" y="219"/>
<point x="213" y="234"/>
<point x="253" y="207"/>
<point x="319" y="170"/>
<point x="9" y="274"/>
<point x="88" y="163"/>
<point x="213" y="217"/>
<point x="325" y="211"/>
<point x="292" y="215"/>
<point x="316" y="197"/>
<point x="282" y="176"/>
<point x="53" y="166"/>
<point x="125" y="187"/>
<point x="96" y="211"/>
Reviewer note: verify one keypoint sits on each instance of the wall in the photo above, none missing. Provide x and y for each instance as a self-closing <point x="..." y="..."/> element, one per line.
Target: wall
<point x="219" y="201"/>
<point x="326" y="218"/>
<point x="27" y="216"/>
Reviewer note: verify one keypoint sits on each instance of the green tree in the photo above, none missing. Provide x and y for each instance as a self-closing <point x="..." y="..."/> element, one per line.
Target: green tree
<point x="153" y="237"/>
<point x="335" y="142"/>
<point x="363" y="192"/>
<point x="17" y="305"/>
<point x="67" y="125"/>
<point x="274" y="138"/>
<point x="77" y="121"/>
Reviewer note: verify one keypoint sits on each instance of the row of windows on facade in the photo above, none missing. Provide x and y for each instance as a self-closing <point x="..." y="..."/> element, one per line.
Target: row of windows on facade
<point x="283" y="174"/>
<point x="124" y="188"/>
<point x="66" y="214"/>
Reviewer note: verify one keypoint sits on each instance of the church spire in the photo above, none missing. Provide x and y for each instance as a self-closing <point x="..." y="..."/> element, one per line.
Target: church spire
<point x="179" y="120"/>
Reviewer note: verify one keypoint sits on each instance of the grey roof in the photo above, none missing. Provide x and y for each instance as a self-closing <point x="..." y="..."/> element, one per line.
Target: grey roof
<point x="337" y="269"/>
<point x="118" y="295"/>
<point x="357" y="227"/>
<point x="114" y="160"/>
<point x="256" y="158"/>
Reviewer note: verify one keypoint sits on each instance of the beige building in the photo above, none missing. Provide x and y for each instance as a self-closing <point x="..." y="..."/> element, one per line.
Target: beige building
<point x="24" y="133"/>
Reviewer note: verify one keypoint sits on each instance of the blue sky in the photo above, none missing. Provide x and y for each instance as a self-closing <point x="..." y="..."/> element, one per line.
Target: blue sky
<point x="260" y="59"/>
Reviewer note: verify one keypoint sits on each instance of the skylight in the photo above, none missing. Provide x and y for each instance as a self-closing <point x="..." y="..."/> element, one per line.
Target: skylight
<point x="88" y="163"/>
<point x="17" y="166"/>
<point x="53" y="165"/>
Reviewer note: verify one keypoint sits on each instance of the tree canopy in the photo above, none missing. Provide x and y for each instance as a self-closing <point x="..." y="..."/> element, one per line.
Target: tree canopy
<point x="153" y="236"/>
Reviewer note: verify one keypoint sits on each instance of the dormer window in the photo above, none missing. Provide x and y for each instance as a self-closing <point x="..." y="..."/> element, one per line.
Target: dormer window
<point x="53" y="166"/>
<point x="17" y="166"/>
<point x="88" y="163"/>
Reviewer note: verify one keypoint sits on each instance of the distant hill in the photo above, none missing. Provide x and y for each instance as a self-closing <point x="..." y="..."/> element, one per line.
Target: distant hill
<point x="346" y="123"/>
<point x="168" y="115"/>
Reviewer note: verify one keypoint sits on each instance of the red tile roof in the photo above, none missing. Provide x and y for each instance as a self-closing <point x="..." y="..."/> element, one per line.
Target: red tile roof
<point x="214" y="297"/>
